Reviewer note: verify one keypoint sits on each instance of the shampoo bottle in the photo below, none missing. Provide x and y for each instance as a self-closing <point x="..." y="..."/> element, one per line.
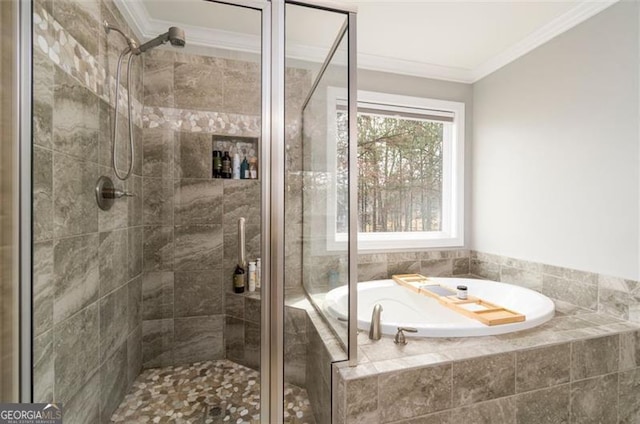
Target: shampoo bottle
<point x="258" y="274"/>
<point x="252" y="276"/>
<point x="244" y="169"/>
<point x="236" y="166"/>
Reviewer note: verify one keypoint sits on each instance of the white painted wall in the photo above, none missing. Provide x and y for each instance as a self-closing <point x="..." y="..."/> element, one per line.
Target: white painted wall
<point x="555" y="153"/>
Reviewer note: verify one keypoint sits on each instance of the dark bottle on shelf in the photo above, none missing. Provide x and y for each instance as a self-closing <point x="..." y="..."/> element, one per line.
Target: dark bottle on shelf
<point x="226" y="165"/>
<point x="238" y="279"/>
<point x="217" y="164"/>
<point x="244" y="169"/>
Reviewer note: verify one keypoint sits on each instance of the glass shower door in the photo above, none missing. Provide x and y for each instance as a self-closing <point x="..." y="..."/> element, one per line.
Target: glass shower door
<point x="319" y="249"/>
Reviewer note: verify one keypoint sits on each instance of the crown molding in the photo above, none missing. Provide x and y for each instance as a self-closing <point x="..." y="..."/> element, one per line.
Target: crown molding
<point x="571" y="18"/>
<point x="146" y="27"/>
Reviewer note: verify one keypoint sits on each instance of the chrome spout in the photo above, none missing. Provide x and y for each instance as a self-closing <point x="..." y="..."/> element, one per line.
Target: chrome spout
<point x="375" y="331"/>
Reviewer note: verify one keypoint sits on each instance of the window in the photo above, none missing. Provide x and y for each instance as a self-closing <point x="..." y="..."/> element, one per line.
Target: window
<point x="410" y="171"/>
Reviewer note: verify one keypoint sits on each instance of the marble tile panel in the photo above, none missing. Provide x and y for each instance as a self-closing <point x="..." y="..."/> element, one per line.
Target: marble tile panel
<point x="484" y="378"/>
<point x="544" y="406"/>
<point x="629" y="350"/>
<point x="134" y="354"/>
<point x="199" y="339"/>
<point x="533" y="267"/>
<point x="80" y="18"/>
<point x="198" y="201"/>
<point x="242" y="87"/>
<point x="77" y="352"/>
<point x="76" y="118"/>
<point x="43" y="287"/>
<point x="158" y="82"/>
<point x="542" y="367"/>
<point x="403" y="267"/>
<point x="593" y="357"/>
<point x="521" y="277"/>
<point x="192" y="155"/>
<point x="461" y="266"/>
<point x="114" y="322"/>
<point x="198" y="247"/>
<point x="372" y="271"/>
<point x="110" y="45"/>
<point x="84" y="407"/>
<point x="74" y="204"/>
<point x="158" y="248"/>
<point x="252" y="345"/>
<point x="106" y="115"/>
<point x="436" y="267"/>
<point x="501" y="411"/>
<point x="583" y="277"/>
<point x="157" y="151"/>
<point x="437" y="418"/>
<point x="157" y="203"/>
<point x="201" y="121"/>
<point x="629" y="406"/>
<point x="113" y="382"/>
<point x="484" y="269"/>
<point x="372" y="258"/>
<point x="114" y="260"/>
<point x="295" y="321"/>
<point x="234" y="339"/>
<point x="42" y="100"/>
<point x="362" y="401"/>
<point x="615" y="303"/>
<point x="157" y="295"/>
<point x="134" y="306"/>
<point x="595" y="400"/>
<point x="412" y="393"/>
<point x="134" y="250"/>
<point x="198" y="293"/>
<point x="583" y="295"/>
<point x="157" y="343"/>
<point x="295" y="358"/>
<point x="134" y="204"/>
<point x="43" y="367"/>
<point x="76" y="275"/>
<point x="241" y="199"/>
<point x="234" y="304"/>
<point x="197" y="86"/>
<point x="252" y="309"/>
<point x="42" y="194"/>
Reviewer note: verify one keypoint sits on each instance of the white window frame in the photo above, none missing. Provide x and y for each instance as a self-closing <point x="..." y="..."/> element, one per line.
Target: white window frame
<point x="452" y="233"/>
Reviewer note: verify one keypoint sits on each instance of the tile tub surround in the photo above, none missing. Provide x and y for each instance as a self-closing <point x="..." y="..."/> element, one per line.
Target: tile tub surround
<point x="617" y="297"/>
<point x="589" y="374"/>
<point x="87" y="263"/>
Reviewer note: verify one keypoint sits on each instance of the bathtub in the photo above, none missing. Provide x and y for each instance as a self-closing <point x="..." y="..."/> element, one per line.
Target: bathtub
<point x="403" y="308"/>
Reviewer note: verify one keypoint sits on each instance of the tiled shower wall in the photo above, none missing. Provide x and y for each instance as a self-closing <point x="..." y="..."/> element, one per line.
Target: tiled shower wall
<point x="87" y="262"/>
<point x="190" y="219"/>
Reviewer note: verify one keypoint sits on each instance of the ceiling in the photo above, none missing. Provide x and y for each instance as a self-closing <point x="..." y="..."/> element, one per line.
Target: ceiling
<point x="451" y="40"/>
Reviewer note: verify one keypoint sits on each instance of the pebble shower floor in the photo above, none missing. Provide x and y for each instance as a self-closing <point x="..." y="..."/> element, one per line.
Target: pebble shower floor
<point x="205" y="392"/>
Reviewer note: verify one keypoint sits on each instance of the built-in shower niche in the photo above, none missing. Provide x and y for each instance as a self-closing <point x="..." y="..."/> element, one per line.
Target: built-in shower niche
<point x="246" y="147"/>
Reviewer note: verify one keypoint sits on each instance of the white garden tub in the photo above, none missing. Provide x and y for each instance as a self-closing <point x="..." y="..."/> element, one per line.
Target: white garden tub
<point x="404" y="308"/>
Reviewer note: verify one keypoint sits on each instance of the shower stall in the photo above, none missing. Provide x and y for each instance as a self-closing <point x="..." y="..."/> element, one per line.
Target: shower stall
<point x="129" y="312"/>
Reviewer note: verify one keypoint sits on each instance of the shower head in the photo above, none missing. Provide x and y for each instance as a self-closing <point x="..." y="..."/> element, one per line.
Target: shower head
<point x="175" y="36"/>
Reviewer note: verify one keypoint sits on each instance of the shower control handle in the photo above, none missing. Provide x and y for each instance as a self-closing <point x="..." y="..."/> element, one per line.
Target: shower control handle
<point x="400" y="337"/>
<point x="106" y="193"/>
<point x="115" y="193"/>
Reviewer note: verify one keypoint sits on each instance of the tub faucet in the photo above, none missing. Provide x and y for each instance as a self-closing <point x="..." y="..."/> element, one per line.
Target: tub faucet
<point x="375" y="333"/>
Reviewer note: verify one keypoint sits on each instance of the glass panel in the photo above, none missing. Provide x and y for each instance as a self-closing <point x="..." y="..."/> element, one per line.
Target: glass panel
<point x="9" y="313"/>
<point x="140" y="298"/>
<point x="315" y="177"/>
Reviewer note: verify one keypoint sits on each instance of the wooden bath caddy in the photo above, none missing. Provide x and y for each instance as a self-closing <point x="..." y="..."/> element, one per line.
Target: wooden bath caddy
<point x="473" y="307"/>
